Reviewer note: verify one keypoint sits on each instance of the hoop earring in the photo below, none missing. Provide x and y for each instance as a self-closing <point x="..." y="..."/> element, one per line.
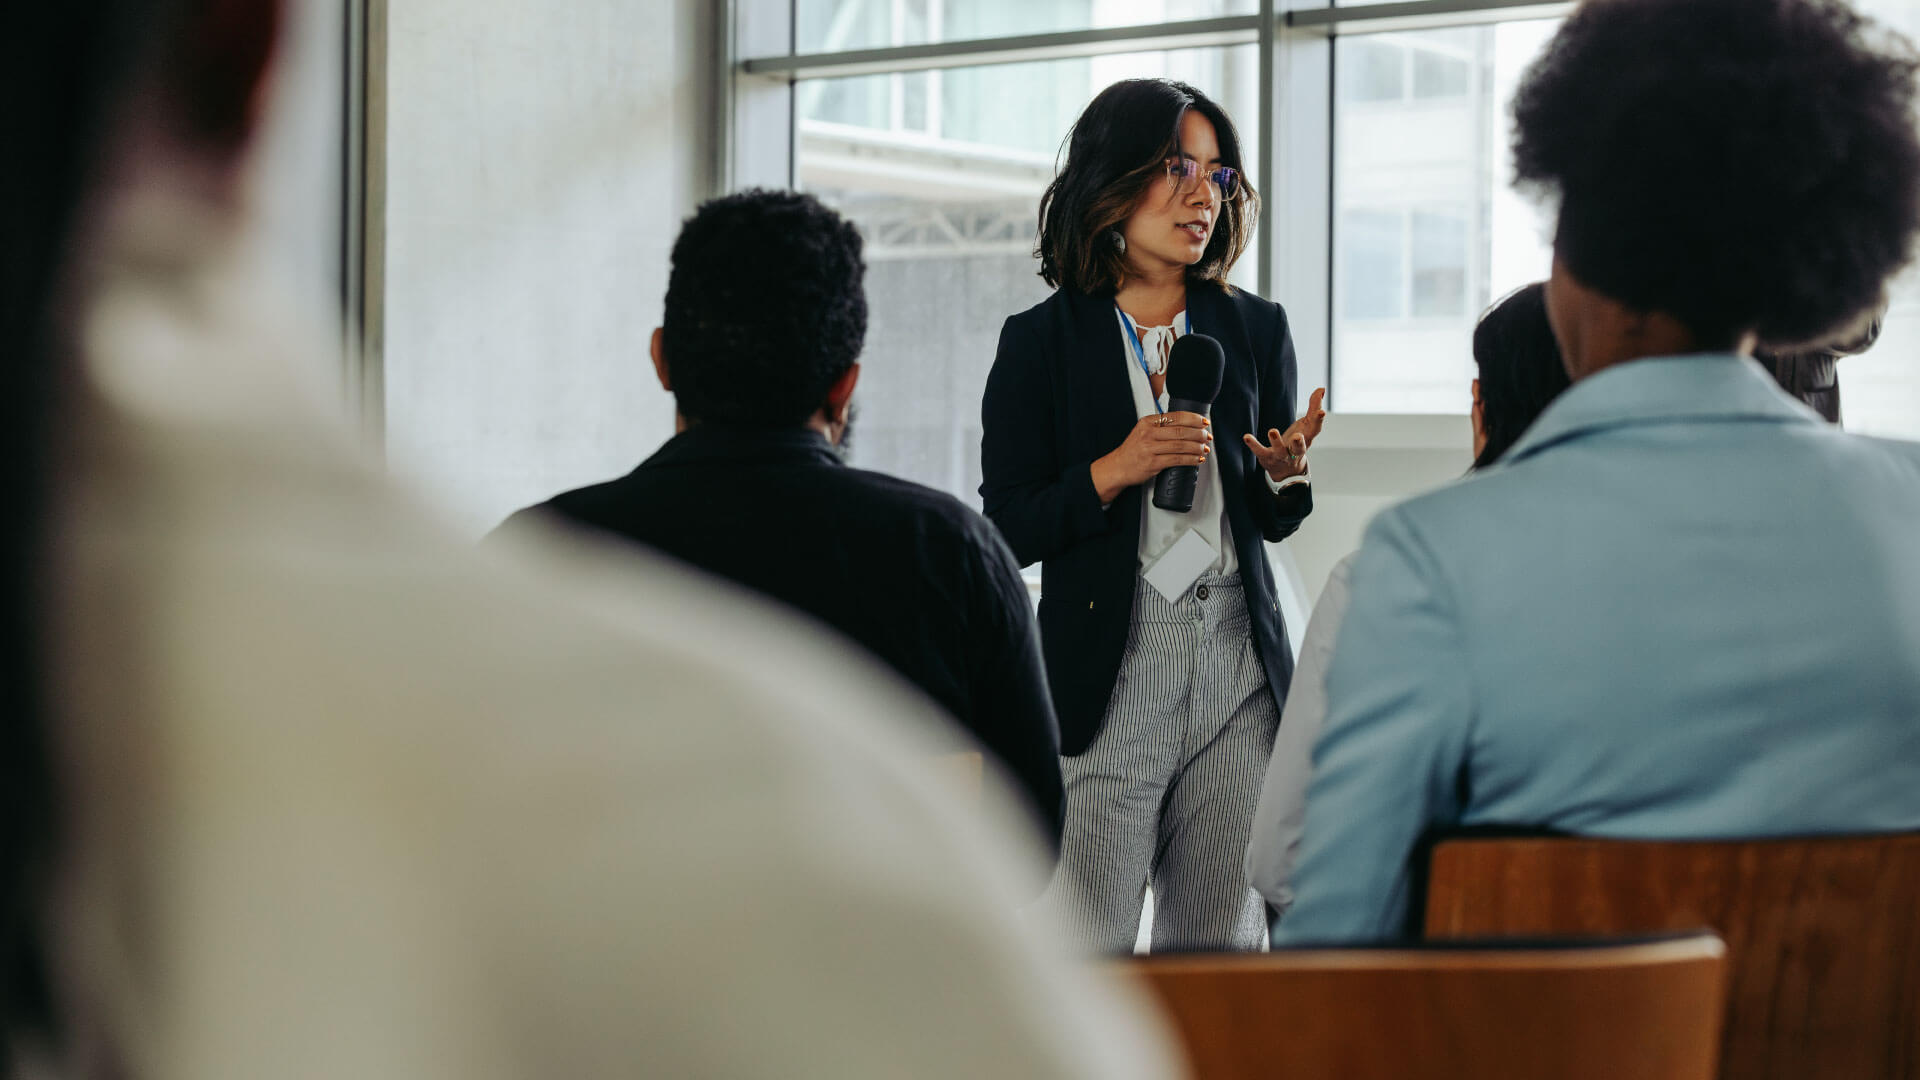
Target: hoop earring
<point x="1119" y="241"/>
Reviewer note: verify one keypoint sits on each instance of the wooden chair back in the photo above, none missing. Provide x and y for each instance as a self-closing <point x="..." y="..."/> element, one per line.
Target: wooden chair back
<point x="1823" y="934"/>
<point x="1648" y="1010"/>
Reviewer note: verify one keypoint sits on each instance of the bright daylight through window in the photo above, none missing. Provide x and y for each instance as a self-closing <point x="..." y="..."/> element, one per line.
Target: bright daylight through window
<point x="943" y="168"/>
<point x="1427" y="232"/>
<point x="943" y="172"/>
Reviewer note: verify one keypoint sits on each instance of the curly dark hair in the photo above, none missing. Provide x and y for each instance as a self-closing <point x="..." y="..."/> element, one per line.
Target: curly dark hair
<point x="1740" y="165"/>
<point x="1521" y="371"/>
<point x="765" y="308"/>
<point x="1116" y="150"/>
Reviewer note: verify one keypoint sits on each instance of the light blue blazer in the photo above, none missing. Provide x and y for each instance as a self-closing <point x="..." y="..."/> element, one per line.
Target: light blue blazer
<point x="1681" y="607"/>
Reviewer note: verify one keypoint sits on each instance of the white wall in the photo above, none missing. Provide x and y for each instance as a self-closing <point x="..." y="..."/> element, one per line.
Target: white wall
<point x="539" y="160"/>
<point x="1361" y="465"/>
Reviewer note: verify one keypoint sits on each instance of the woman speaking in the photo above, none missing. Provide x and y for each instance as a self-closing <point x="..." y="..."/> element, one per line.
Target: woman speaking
<point x="1164" y="643"/>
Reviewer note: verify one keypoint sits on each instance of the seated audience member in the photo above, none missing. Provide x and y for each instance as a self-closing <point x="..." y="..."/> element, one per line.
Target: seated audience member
<point x="1683" y="605"/>
<point x="1520" y="374"/>
<point x="298" y="784"/>
<point x="765" y="317"/>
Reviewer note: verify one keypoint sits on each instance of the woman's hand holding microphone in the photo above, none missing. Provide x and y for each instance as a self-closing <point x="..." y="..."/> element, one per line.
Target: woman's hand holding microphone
<point x="1155" y="443"/>
<point x="1185" y="438"/>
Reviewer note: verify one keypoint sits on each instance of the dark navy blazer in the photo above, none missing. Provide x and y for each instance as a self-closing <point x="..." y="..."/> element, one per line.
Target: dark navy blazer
<point x="1058" y="397"/>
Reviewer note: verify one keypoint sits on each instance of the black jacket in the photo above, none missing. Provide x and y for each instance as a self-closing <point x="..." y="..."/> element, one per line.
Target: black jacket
<point x="911" y="573"/>
<point x="1812" y="374"/>
<point x="1058" y="397"/>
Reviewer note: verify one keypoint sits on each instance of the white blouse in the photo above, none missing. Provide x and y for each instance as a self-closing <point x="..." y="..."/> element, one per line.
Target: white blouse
<point x="1159" y="529"/>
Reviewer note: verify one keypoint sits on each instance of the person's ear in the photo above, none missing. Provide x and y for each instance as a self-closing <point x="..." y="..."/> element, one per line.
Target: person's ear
<point x="842" y="391"/>
<point x="1478" y="415"/>
<point x="660" y="359"/>
<point x="220" y="67"/>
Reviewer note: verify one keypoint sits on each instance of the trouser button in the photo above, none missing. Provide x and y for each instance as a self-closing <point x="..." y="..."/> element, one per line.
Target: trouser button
<point x="1201" y="594"/>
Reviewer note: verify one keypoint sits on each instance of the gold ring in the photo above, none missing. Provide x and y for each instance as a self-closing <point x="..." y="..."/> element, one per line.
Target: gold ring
<point x="1165" y="419"/>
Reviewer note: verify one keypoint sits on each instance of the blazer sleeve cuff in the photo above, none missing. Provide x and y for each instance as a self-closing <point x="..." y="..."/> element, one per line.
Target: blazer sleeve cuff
<point x="1293" y="502"/>
<point x="1278" y="486"/>
<point x="1088" y="516"/>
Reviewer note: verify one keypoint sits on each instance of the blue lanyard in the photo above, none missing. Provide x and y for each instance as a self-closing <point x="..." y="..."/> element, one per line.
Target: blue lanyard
<point x="1140" y="351"/>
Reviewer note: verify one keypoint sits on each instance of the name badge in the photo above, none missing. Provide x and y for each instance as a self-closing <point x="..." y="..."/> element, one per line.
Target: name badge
<point x="1175" y="571"/>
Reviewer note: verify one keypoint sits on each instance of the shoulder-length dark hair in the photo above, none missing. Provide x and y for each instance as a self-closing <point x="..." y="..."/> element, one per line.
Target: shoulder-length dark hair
<point x="1521" y="371"/>
<point x="1116" y="150"/>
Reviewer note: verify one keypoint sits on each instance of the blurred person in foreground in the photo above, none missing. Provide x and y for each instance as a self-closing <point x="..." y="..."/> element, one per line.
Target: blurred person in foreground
<point x="300" y="785"/>
<point x="765" y="317"/>
<point x="1618" y="631"/>
<point x="1520" y="373"/>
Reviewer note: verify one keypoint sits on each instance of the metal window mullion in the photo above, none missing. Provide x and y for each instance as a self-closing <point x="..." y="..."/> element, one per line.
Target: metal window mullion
<point x="363" y="239"/>
<point x="758" y="114"/>
<point x="1183" y="34"/>
<point x="1330" y="208"/>
<point x="1300" y="188"/>
<point x="793" y="100"/>
<point x="1268" y="128"/>
<point x="1177" y="34"/>
<point x="1418" y="15"/>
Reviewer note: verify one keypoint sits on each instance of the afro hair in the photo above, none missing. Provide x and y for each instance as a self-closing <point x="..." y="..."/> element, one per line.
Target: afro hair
<point x="1741" y="165"/>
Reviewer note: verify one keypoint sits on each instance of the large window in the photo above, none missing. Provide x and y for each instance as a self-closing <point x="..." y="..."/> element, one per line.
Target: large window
<point x="943" y="171"/>
<point x="1427" y="234"/>
<point x="1391" y="219"/>
<point x="839" y="25"/>
<point x="1880" y="390"/>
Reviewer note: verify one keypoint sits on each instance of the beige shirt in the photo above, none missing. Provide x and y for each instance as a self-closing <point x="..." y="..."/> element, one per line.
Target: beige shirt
<point x="1273" y="846"/>
<point x="349" y="798"/>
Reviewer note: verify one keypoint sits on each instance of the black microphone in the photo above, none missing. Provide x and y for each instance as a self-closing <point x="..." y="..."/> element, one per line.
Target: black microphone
<point x="1194" y="369"/>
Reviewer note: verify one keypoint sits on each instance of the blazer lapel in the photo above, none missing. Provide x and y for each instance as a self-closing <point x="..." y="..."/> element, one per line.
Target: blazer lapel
<point x="1109" y="411"/>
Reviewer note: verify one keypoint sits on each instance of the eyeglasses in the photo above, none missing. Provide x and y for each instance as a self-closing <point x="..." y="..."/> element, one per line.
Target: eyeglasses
<point x="1184" y="171"/>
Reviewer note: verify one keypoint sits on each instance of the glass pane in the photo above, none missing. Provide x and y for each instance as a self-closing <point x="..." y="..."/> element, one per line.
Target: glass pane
<point x="949" y="217"/>
<point x="833" y="25"/>
<point x="1439" y="264"/>
<point x="856" y="102"/>
<point x="1438" y="75"/>
<point x="914" y="101"/>
<point x="1434" y="161"/>
<point x="915" y="18"/>
<point x="1372" y="71"/>
<point x="1374" y="275"/>
<point x="1880" y="389"/>
<point x="826" y="25"/>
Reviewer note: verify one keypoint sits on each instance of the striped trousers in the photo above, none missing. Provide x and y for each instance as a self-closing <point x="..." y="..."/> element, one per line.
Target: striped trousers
<point x="1165" y="795"/>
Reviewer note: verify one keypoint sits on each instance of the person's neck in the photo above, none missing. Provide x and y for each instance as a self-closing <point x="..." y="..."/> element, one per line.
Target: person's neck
<point x="1653" y="336"/>
<point x="1153" y="297"/>
<point x="817" y="423"/>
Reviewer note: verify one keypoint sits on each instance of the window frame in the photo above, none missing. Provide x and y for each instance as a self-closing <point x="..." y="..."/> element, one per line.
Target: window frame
<point x="1294" y="124"/>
